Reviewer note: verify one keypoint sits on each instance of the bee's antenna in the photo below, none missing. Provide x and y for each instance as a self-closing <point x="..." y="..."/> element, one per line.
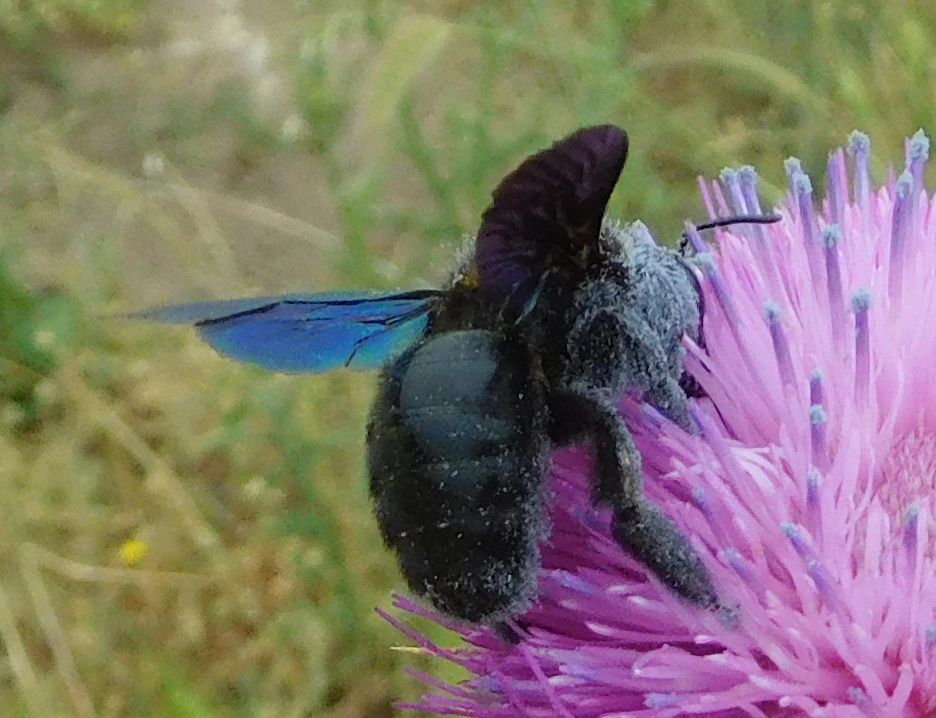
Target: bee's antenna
<point x="732" y="220"/>
<point x="740" y="219"/>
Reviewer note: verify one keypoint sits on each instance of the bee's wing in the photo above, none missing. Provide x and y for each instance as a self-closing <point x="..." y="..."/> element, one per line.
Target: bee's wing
<point x="304" y="333"/>
<point x="549" y="209"/>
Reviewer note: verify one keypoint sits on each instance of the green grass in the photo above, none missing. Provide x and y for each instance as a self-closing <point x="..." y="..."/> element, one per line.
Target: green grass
<point x="155" y="152"/>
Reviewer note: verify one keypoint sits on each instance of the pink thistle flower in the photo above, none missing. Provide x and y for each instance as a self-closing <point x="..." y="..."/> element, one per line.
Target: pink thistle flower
<point x="810" y="491"/>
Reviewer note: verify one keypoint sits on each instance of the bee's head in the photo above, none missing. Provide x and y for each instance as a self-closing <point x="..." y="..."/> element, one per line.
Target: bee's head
<point x="662" y="287"/>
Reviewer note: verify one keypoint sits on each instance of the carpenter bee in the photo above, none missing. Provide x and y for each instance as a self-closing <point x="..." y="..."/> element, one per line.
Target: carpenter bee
<point x="554" y="314"/>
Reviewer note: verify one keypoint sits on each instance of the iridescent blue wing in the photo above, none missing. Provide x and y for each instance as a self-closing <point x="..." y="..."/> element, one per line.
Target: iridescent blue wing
<point x="298" y="333"/>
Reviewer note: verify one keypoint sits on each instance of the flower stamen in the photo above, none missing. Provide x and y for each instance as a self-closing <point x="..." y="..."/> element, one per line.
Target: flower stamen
<point x="831" y="236"/>
<point x="815" y="387"/>
<point x="817" y="422"/>
<point x="900" y="227"/>
<point x="813" y="504"/>
<point x="780" y="344"/>
<point x="918" y="150"/>
<point x="730" y="180"/>
<point x="859" y="147"/>
<point x="838" y="186"/>
<point x="748" y="178"/>
<point x="861" y="301"/>
<point x="802" y="189"/>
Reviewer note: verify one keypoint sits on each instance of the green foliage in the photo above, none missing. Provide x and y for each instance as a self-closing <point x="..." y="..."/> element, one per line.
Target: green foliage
<point x="193" y="150"/>
<point x="26" y="23"/>
<point x="695" y="96"/>
<point x="35" y="328"/>
<point x="182" y="699"/>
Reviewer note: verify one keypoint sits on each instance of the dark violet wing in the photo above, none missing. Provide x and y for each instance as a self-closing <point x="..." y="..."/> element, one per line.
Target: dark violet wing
<point x="308" y="332"/>
<point x="548" y="210"/>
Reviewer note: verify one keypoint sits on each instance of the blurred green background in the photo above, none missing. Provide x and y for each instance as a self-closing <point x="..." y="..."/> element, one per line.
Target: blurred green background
<point x="184" y="537"/>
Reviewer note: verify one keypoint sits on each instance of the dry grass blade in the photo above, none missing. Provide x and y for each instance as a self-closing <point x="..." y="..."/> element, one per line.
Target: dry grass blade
<point x="161" y="480"/>
<point x="55" y="636"/>
<point x="19" y="659"/>
<point x="256" y="213"/>
<point x="87" y="573"/>
<point x="210" y="234"/>
<point x="127" y="187"/>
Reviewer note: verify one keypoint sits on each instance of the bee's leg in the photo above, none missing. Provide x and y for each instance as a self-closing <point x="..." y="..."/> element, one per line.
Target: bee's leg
<point x="506" y="631"/>
<point x="613" y="350"/>
<point x="610" y="348"/>
<point x="650" y="371"/>
<point x="637" y="525"/>
<point x="691" y="387"/>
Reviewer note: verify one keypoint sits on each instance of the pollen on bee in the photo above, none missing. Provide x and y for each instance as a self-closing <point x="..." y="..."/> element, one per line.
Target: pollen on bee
<point x="472" y="279"/>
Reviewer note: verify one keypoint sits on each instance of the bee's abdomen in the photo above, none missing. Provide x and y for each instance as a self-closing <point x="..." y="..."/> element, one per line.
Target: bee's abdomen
<point x="458" y="400"/>
<point x="456" y="461"/>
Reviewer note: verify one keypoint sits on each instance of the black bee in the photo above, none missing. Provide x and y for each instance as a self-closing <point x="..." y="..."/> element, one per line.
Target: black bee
<point x="554" y="314"/>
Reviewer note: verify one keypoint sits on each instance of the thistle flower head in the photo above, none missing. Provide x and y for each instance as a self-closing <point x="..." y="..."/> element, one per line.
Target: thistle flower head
<point x="809" y="491"/>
